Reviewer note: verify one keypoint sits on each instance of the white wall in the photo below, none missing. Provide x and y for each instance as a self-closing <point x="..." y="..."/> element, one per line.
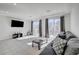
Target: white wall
<point x="67" y="22"/>
<point x="6" y="30"/>
<point x="75" y="19"/>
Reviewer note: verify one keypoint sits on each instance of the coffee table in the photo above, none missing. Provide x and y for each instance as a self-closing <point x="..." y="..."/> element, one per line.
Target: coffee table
<point x="37" y="41"/>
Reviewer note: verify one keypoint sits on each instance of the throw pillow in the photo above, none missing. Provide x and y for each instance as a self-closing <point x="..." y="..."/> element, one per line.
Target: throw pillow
<point x="58" y="45"/>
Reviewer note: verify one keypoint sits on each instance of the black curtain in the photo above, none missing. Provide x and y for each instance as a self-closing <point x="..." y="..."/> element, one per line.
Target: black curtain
<point x="62" y="24"/>
<point x="40" y="28"/>
<point x="32" y="27"/>
<point x="46" y="28"/>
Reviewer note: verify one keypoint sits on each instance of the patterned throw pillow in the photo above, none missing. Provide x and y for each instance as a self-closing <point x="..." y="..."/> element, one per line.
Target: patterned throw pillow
<point x="58" y="45"/>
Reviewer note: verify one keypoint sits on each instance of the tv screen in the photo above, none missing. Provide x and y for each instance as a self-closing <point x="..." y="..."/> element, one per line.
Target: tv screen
<point x="15" y="23"/>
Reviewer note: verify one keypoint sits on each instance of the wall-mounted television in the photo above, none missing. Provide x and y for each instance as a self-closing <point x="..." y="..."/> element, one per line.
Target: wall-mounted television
<point x="15" y="23"/>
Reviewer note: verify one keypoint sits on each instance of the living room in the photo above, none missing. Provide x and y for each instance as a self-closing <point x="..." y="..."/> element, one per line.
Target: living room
<point x="35" y="22"/>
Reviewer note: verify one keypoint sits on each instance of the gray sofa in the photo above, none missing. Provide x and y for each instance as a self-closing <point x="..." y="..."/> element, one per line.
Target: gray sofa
<point x="61" y="45"/>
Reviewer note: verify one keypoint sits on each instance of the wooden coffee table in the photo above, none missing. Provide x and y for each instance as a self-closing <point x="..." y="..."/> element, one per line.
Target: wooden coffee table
<point x="37" y="41"/>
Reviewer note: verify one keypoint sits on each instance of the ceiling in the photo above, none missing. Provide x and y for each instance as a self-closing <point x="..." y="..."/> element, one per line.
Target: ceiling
<point x="32" y="10"/>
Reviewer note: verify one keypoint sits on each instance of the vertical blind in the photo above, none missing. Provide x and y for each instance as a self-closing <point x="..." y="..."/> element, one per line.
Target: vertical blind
<point x="46" y="28"/>
<point x="32" y="27"/>
<point x="62" y="24"/>
<point x="40" y="28"/>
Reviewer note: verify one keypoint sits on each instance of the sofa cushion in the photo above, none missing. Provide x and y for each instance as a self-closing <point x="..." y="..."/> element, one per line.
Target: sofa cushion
<point x="48" y="50"/>
<point x="72" y="47"/>
<point x="69" y="35"/>
<point x="62" y="35"/>
<point x="71" y="51"/>
<point x="58" y="45"/>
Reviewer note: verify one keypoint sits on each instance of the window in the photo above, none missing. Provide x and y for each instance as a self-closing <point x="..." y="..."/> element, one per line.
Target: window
<point x="57" y="26"/>
<point x="36" y="28"/>
<point x="54" y="26"/>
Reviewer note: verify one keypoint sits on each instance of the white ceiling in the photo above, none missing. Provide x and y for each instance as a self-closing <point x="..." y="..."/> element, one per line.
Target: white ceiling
<point x="32" y="10"/>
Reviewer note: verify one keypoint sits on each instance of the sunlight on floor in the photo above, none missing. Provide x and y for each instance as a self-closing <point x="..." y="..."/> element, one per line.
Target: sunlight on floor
<point x="30" y="43"/>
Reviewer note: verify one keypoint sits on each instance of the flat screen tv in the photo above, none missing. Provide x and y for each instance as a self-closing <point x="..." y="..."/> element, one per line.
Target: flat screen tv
<point x="15" y="23"/>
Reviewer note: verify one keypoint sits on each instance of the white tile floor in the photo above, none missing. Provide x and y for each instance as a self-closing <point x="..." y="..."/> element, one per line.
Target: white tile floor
<point x="19" y="47"/>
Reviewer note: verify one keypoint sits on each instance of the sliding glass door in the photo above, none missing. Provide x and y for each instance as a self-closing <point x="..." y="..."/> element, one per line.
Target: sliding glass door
<point x="54" y="26"/>
<point x="51" y="26"/>
<point x="36" y="28"/>
<point x="57" y="26"/>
